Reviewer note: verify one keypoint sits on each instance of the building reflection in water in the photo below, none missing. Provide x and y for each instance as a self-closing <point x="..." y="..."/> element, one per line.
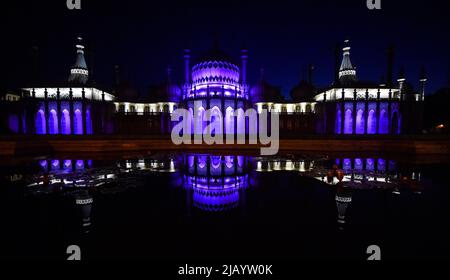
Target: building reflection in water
<point x="343" y="199"/>
<point x="84" y="201"/>
<point x="215" y="183"/>
<point x="157" y="164"/>
<point x="268" y="164"/>
<point x="371" y="173"/>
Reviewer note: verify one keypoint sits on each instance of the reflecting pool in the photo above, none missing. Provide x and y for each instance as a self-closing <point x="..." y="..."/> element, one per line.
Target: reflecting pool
<point x="193" y="206"/>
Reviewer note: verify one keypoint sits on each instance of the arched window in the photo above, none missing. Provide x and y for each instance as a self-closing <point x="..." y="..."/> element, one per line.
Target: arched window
<point x="229" y="121"/>
<point x="191" y="117"/>
<point x="360" y="123"/>
<point x="216" y="117"/>
<point x="88" y="122"/>
<point x="199" y="121"/>
<point x="348" y="122"/>
<point x="53" y="123"/>
<point x="395" y="127"/>
<point x="13" y="123"/>
<point x="40" y="122"/>
<point x="384" y="122"/>
<point x="65" y="122"/>
<point x="371" y="122"/>
<point x="338" y="122"/>
<point x="78" y="122"/>
<point x="308" y="108"/>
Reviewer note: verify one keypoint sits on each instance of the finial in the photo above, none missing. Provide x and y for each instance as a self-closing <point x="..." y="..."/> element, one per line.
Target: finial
<point x="262" y="73"/>
<point x="169" y="72"/>
<point x="401" y="75"/>
<point x="423" y="75"/>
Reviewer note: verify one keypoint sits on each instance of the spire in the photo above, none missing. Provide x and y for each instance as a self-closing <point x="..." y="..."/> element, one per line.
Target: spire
<point x="423" y="81"/>
<point x="423" y="74"/>
<point x="79" y="73"/>
<point x="169" y="74"/>
<point x="244" y="60"/>
<point x="262" y="78"/>
<point x="310" y="73"/>
<point x="187" y="73"/>
<point x="347" y="73"/>
<point x="401" y="75"/>
<point x="390" y="64"/>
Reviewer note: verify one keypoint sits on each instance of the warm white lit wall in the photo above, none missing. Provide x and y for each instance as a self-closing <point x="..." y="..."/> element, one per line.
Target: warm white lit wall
<point x="89" y="93"/>
<point x="140" y="107"/>
<point x="289" y="107"/>
<point x="336" y="93"/>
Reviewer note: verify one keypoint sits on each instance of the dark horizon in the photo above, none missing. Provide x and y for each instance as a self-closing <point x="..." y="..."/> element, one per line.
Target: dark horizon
<point x="144" y="38"/>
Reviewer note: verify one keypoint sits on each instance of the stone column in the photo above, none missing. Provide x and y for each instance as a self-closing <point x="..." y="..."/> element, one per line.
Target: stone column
<point x="46" y="111"/>
<point x="59" y="113"/>
<point x="71" y="112"/>
<point x="83" y="111"/>
<point x="378" y="113"/>
<point x="366" y="112"/>
<point x="354" y="112"/>
<point x="390" y="113"/>
<point x="342" y="110"/>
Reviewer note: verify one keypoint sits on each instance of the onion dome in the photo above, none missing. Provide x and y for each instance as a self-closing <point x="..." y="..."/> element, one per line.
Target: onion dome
<point x="216" y="200"/>
<point x="263" y="91"/>
<point x="304" y="91"/>
<point x="347" y="73"/>
<point x="79" y="73"/>
<point x="215" y="66"/>
<point x="126" y="92"/>
<point x="168" y="91"/>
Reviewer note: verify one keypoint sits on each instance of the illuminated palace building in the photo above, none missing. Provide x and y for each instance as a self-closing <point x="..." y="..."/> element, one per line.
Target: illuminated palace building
<point x="215" y="81"/>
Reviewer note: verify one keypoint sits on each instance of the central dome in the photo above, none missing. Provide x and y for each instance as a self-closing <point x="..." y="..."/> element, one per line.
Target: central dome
<point x="215" y="67"/>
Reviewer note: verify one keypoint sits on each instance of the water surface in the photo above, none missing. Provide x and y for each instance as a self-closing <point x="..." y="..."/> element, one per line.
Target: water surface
<point x="224" y="207"/>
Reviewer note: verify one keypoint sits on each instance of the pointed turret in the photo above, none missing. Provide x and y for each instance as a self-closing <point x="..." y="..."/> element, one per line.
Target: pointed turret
<point x="263" y="91"/>
<point x="423" y="81"/>
<point x="347" y="73"/>
<point x="79" y="73"/>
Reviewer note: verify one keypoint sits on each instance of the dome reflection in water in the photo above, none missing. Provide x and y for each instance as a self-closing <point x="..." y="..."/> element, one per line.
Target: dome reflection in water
<point x="215" y="182"/>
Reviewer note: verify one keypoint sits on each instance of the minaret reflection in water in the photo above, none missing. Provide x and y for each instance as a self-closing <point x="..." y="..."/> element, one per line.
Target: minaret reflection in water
<point x="215" y="182"/>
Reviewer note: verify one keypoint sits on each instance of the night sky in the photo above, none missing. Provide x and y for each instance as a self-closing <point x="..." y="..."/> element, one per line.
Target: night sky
<point x="283" y="37"/>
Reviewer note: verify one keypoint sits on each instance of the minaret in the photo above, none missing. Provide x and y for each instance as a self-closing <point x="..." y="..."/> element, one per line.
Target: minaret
<point x="187" y="57"/>
<point x="347" y="73"/>
<point x="244" y="59"/>
<point x="79" y="73"/>
<point x="261" y="75"/>
<point x="84" y="202"/>
<point x="169" y="73"/>
<point x="390" y="65"/>
<point x="423" y="82"/>
<point x="310" y="73"/>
